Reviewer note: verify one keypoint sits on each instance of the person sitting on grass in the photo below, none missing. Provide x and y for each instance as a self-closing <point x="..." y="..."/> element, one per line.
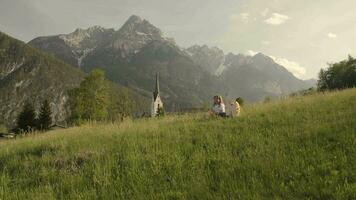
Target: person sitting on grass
<point x="234" y="108"/>
<point x="218" y="108"/>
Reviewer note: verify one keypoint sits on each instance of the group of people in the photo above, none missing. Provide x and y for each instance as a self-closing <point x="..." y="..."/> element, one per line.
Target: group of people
<point x="232" y="109"/>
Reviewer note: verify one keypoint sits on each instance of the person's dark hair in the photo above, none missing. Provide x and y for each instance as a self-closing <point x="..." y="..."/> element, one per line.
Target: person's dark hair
<point x="240" y="101"/>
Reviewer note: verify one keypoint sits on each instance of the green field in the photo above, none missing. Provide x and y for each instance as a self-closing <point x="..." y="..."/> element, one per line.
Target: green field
<point x="299" y="148"/>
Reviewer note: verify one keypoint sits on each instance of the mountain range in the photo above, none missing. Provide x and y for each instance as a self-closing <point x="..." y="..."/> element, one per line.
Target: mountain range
<point x="131" y="56"/>
<point x="134" y="53"/>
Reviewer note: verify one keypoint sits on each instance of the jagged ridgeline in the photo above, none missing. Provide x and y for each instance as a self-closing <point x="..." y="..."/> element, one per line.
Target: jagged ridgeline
<point x="134" y="53"/>
<point x="131" y="56"/>
<point x="27" y="74"/>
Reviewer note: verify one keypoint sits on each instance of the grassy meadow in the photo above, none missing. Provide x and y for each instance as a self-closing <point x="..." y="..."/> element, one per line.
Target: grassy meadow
<point x="299" y="148"/>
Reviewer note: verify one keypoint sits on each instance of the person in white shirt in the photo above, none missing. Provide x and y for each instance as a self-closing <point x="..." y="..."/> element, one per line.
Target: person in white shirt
<point x="218" y="108"/>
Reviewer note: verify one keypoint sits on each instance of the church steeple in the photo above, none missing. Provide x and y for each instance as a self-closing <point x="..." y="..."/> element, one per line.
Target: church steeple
<point x="156" y="92"/>
<point x="157" y="104"/>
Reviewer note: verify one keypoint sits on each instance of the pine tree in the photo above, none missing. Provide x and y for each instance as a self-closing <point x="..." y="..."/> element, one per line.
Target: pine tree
<point x="44" y="120"/>
<point x="26" y="120"/>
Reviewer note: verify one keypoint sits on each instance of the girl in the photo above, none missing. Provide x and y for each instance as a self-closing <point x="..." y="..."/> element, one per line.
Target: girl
<point x="218" y="108"/>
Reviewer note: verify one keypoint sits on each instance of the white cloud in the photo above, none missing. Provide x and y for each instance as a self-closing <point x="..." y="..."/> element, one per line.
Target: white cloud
<point x="277" y="19"/>
<point x="291" y="66"/>
<point x="251" y="53"/>
<point x="332" y="35"/>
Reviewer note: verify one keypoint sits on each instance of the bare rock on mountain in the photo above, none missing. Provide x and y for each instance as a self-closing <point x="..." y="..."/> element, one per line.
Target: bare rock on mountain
<point x="211" y="59"/>
<point x="74" y="47"/>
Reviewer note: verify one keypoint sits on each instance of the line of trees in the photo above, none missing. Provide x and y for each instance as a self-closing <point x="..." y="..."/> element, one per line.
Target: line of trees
<point x="28" y="121"/>
<point x="94" y="100"/>
<point x="339" y="75"/>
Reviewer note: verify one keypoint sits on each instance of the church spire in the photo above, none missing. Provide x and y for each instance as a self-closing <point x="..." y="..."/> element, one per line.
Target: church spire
<point x="157" y="82"/>
<point x="156" y="92"/>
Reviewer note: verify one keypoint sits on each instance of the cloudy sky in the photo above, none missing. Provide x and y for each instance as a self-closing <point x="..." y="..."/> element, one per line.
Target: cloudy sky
<point x="302" y="35"/>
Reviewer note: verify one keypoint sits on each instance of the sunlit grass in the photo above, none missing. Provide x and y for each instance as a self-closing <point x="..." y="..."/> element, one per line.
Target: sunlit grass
<point x="299" y="148"/>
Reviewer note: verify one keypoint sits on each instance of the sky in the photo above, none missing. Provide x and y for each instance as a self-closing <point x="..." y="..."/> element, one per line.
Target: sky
<point x="302" y="35"/>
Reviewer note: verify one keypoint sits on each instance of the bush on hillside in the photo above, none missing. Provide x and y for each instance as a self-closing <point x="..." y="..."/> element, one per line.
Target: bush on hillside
<point x="310" y="91"/>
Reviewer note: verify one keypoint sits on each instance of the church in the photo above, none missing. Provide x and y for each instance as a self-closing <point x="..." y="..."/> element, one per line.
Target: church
<point x="156" y="101"/>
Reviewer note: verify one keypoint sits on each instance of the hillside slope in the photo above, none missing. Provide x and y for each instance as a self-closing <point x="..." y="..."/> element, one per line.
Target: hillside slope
<point x="27" y="74"/>
<point x="300" y="148"/>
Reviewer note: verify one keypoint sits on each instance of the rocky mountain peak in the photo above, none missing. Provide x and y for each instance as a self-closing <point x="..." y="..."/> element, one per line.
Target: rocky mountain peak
<point x="85" y="38"/>
<point x="138" y="26"/>
<point x="262" y="58"/>
<point x="135" y="34"/>
<point x="134" y="19"/>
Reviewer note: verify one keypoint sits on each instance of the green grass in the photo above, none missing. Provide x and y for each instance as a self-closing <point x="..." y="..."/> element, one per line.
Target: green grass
<point x="300" y="148"/>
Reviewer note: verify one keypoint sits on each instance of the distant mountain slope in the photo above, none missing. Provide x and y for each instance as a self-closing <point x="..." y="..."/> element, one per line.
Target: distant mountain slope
<point x="257" y="77"/>
<point x="133" y="54"/>
<point x="251" y="77"/>
<point x="27" y="74"/>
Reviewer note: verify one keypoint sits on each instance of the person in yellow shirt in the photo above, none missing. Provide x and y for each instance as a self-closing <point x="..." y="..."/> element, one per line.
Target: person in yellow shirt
<point x="234" y="109"/>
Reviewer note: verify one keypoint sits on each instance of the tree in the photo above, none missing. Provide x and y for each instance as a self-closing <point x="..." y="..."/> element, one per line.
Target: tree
<point x="44" y="120"/>
<point x="26" y="120"/>
<point x="339" y="75"/>
<point x="91" y="100"/>
<point x="322" y="82"/>
<point x="119" y="105"/>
